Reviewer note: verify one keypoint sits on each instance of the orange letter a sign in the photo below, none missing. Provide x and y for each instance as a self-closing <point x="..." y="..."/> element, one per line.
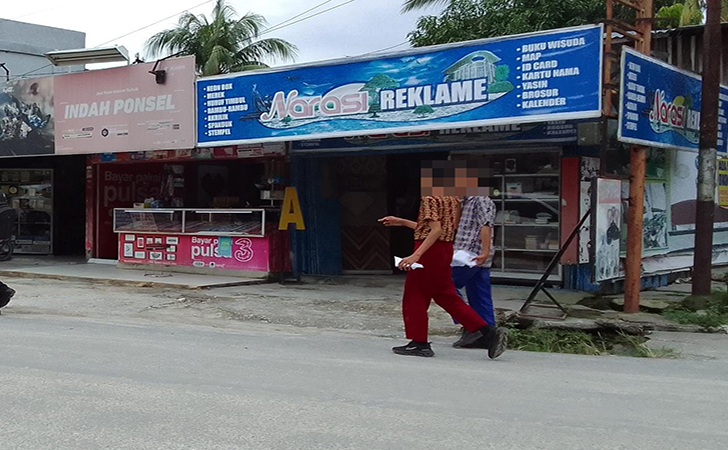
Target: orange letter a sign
<point x="291" y="211"/>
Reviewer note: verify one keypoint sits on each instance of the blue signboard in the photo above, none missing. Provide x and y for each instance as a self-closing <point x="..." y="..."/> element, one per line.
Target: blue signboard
<point x="659" y="105"/>
<point x="553" y="75"/>
<point x="560" y="132"/>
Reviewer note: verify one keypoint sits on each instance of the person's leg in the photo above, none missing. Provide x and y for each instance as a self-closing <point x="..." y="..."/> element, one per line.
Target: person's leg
<point x="461" y="277"/>
<point x="446" y="295"/>
<point x="479" y="294"/>
<point x="415" y="303"/>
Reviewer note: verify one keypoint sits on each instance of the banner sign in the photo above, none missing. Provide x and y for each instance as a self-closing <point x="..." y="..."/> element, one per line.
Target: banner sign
<point x="659" y="105"/>
<point x="26" y="117"/>
<point x="606" y="225"/>
<point x="210" y="252"/>
<point x="554" y="75"/>
<point x="124" y="109"/>
<point x="723" y="182"/>
<point x="517" y="133"/>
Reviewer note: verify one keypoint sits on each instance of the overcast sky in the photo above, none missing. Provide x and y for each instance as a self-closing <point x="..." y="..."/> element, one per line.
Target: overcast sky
<point x="359" y="27"/>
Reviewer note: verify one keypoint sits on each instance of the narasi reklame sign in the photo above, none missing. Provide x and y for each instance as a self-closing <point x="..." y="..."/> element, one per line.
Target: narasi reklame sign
<point x="536" y="77"/>
<point x="660" y="105"/>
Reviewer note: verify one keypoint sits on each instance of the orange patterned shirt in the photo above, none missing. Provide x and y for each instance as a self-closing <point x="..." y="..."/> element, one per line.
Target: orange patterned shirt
<point x="445" y="210"/>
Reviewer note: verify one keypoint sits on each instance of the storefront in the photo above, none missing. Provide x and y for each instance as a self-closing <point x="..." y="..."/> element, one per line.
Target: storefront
<point x="513" y="103"/>
<point x="373" y="176"/>
<point x="122" y="160"/>
<point x="201" y="210"/>
<point x="45" y="190"/>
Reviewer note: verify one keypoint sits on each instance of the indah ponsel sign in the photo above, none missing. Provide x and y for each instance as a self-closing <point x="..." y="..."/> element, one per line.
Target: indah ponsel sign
<point x="527" y="78"/>
<point x="660" y="105"/>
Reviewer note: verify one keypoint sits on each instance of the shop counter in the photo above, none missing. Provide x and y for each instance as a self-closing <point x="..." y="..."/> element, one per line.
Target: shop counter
<point x="234" y="242"/>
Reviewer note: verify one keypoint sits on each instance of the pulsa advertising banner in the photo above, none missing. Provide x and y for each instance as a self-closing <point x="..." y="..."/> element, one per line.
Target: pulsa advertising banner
<point x="545" y="76"/>
<point x="660" y="105"/>
<point x="124" y="109"/>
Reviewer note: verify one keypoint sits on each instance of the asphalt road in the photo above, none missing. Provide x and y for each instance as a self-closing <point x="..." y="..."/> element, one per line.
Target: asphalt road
<point x="84" y="384"/>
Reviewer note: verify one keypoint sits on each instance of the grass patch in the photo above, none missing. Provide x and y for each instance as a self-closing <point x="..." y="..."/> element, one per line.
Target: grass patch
<point x="579" y="343"/>
<point x="715" y="313"/>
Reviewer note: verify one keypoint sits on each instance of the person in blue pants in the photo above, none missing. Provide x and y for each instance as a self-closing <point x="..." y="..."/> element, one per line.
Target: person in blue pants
<point x="473" y="256"/>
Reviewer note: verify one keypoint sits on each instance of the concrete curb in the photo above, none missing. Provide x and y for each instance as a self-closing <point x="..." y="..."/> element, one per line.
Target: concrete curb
<point x="128" y="283"/>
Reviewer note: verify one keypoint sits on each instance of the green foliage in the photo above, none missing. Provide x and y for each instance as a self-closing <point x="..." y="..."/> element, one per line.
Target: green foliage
<point x="500" y="86"/>
<point x="715" y="315"/>
<point x="502" y="72"/>
<point x="223" y="43"/>
<point x="552" y="341"/>
<point x="578" y="343"/>
<point x="680" y="14"/>
<point x="424" y="110"/>
<point x="464" y="20"/>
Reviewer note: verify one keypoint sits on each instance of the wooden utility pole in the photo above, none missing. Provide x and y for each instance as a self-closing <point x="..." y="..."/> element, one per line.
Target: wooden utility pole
<point x="709" y="103"/>
<point x="641" y="34"/>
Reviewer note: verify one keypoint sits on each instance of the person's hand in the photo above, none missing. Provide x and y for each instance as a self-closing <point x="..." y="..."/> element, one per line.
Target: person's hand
<point x="480" y="260"/>
<point x="391" y="221"/>
<point x="406" y="263"/>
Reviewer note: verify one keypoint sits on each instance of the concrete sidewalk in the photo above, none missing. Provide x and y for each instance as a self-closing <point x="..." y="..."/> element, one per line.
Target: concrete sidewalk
<point x="369" y="304"/>
<point x="75" y="269"/>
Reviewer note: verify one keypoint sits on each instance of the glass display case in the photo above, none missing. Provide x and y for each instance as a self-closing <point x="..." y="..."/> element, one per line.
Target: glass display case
<point x="204" y="222"/>
<point x="30" y="192"/>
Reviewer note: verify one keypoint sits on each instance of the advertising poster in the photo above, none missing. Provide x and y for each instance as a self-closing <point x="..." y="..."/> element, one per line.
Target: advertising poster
<point x="723" y="182"/>
<point x="27" y="117"/>
<point x="607" y="222"/>
<point x="124" y="109"/>
<point x="120" y="186"/>
<point x="211" y="252"/>
<point x="538" y="77"/>
<point x="684" y="192"/>
<point x="660" y="105"/>
<point x="589" y="170"/>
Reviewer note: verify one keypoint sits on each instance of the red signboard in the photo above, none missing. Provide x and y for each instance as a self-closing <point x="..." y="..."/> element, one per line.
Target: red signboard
<point x="211" y="252"/>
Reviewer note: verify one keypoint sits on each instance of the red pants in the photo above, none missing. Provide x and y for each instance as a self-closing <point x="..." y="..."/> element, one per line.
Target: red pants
<point x="434" y="282"/>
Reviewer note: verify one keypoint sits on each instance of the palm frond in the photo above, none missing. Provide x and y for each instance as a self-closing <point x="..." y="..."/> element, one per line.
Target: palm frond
<point x="411" y="5"/>
<point x="268" y="48"/>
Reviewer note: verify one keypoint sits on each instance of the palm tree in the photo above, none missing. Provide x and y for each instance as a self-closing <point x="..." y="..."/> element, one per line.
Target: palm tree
<point x="411" y="5"/>
<point x="223" y="44"/>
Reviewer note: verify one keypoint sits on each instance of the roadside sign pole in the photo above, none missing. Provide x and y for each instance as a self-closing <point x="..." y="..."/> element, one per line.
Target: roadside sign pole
<point x="635" y="216"/>
<point x="709" y="101"/>
<point x="635" y="222"/>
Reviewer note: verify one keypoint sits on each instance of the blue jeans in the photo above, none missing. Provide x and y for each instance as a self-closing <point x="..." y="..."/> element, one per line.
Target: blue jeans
<point x="476" y="281"/>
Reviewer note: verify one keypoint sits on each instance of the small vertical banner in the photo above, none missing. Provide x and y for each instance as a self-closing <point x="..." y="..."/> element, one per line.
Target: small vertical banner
<point x="723" y="182"/>
<point x="291" y="211"/>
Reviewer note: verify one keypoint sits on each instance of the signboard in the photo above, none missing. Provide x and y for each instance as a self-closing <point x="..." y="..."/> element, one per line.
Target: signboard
<point x="516" y="133"/>
<point x="723" y="182"/>
<point x="211" y="252"/>
<point x="659" y="105"/>
<point x="554" y="75"/>
<point x="124" y="109"/>
<point x="606" y="223"/>
<point x="26" y="117"/>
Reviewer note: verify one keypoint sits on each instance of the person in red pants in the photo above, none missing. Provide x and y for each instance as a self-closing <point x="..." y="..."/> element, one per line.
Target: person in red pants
<point x="434" y="235"/>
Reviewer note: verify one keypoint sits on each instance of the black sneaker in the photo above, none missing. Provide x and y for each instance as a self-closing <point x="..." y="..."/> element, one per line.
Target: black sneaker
<point x="495" y="341"/>
<point x="467" y="339"/>
<point x="415" y="349"/>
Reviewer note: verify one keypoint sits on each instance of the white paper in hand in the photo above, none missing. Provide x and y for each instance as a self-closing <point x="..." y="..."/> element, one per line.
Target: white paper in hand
<point x="398" y="260"/>
<point x="463" y="258"/>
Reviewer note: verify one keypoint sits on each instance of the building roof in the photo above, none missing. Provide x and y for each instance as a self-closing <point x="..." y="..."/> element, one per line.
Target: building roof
<point x="467" y="59"/>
